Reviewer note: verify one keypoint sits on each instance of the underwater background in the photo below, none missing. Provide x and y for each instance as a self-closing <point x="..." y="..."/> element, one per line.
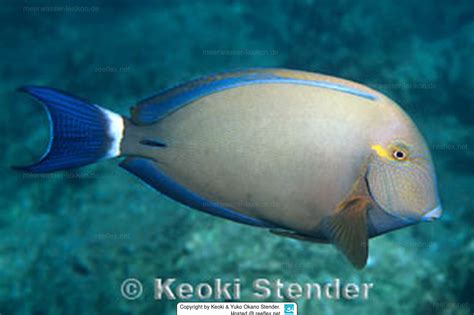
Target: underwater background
<point x="69" y="239"/>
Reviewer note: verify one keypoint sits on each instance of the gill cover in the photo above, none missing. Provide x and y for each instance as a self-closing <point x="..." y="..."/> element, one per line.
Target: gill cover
<point x="406" y="188"/>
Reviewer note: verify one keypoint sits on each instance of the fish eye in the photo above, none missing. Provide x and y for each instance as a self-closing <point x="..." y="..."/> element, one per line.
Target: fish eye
<point x="399" y="154"/>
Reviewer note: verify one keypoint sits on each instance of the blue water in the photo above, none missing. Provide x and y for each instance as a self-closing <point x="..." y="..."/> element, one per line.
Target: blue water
<point x="69" y="239"/>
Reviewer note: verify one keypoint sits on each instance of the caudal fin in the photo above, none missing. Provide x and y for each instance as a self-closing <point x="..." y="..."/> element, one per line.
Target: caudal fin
<point x="81" y="133"/>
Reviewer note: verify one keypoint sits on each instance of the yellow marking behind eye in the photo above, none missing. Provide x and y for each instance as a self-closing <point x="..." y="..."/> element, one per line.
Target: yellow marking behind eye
<point x="380" y="151"/>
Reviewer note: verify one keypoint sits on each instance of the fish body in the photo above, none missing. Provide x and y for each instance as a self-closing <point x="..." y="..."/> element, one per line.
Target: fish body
<point x="268" y="151"/>
<point x="308" y="156"/>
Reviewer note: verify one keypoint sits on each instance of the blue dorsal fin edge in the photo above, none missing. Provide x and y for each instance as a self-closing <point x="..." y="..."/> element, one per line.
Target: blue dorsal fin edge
<point x="148" y="172"/>
<point x="149" y="112"/>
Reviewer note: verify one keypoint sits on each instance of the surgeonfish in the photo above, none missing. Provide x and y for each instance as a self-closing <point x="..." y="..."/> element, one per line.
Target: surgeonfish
<point x="304" y="155"/>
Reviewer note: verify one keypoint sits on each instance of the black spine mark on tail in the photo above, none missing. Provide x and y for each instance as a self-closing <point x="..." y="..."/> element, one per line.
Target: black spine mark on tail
<point x="153" y="143"/>
<point x="78" y="131"/>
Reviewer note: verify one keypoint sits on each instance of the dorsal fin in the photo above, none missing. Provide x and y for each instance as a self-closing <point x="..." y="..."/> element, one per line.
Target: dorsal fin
<point x="158" y="106"/>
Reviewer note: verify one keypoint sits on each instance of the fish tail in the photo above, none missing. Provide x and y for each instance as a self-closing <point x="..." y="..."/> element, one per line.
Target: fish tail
<point x="81" y="133"/>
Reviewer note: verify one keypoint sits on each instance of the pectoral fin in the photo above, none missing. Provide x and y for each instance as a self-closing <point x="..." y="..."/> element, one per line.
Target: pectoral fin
<point x="347" y="229"/>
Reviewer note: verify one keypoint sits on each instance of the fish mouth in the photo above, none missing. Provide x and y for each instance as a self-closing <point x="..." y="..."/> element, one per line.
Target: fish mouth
<point x="432" y="214"/>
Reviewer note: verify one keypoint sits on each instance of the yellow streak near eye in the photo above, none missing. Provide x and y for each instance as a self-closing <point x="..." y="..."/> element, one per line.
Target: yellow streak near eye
<point x="380" y="151"/>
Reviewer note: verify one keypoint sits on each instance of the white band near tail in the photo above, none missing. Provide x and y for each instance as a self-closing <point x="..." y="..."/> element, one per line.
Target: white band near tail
<point x="115" y="132"/>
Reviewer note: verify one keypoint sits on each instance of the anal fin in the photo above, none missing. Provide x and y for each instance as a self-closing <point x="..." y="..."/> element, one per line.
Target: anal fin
<point x="299" y="236"/>
<point x="148" y="171"/>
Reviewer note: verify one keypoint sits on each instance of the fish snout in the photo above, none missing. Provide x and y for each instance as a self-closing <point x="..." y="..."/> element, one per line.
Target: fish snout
<point x="432" y="214"/>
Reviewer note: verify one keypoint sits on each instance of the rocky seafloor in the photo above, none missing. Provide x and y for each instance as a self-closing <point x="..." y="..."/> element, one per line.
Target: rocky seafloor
<point x="69" y="239"/>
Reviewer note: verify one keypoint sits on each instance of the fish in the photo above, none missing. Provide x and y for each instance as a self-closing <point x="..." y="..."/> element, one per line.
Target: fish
<point x="303" y="155"/>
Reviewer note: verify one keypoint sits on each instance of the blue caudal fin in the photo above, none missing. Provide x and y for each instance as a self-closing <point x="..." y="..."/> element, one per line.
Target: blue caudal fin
<point x="81" y="133"/>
